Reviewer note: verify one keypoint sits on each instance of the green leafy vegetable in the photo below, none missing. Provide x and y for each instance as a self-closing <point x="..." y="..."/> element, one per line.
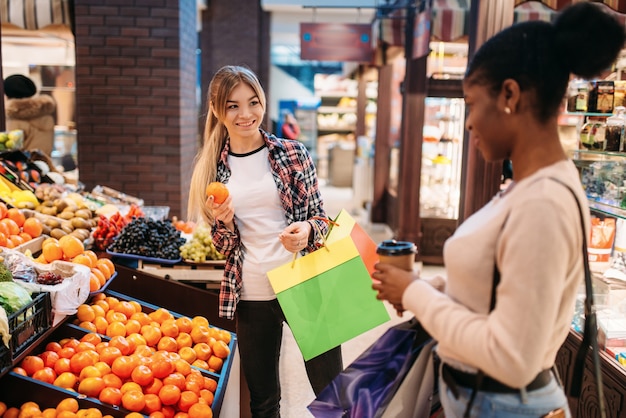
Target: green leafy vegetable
<point x="13" y="297"/>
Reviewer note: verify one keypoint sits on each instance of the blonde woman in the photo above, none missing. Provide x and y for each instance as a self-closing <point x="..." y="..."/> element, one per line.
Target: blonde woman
<point x="268" y="215"/>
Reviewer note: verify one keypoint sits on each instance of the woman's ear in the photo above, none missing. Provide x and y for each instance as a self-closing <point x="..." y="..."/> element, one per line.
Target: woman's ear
<point x="510" y="96"/>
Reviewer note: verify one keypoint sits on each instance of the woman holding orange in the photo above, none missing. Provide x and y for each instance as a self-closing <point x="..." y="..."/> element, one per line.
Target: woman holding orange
<point x="272" y="205"/>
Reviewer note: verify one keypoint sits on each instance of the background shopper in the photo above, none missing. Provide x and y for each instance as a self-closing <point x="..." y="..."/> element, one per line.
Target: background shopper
<point x="290" y="127"/>
<point x="531" y="232"/>
<point x="31" y="112"/>
<point x="268" y="216"/>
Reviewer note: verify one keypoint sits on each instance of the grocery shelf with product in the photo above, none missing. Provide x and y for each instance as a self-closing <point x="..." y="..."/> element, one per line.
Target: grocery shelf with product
<point x="602" y="171"/>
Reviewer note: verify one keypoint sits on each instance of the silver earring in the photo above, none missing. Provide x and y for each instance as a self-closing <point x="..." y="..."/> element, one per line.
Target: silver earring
<point x="507" y="110"/>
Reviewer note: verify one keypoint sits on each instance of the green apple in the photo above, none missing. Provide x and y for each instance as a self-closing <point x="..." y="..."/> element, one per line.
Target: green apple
<point x="3" y="137"/>
<point x="9" y="144"/>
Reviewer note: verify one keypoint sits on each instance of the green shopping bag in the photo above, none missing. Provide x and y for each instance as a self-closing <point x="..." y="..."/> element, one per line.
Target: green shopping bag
<point x="327" y="295"/>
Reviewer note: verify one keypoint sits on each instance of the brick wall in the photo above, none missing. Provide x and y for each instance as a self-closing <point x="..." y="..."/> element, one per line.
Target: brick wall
<point x="135" y="97"/>
<point x="138" y="120"/>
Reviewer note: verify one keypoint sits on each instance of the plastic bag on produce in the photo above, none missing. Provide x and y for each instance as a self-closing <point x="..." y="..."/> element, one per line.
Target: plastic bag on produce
<point x="67" y="295"/>
<point x="4" y="327"/>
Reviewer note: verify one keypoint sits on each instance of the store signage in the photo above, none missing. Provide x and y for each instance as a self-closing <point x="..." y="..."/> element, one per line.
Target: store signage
<point x="336" y="42"/>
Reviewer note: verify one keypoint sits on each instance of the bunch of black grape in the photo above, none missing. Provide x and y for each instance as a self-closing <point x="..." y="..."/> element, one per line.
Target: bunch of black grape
<point x="149" y="238"/>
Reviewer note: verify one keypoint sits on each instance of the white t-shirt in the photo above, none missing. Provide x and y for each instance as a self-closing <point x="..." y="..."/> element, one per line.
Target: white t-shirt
<point x="260" y="218"/>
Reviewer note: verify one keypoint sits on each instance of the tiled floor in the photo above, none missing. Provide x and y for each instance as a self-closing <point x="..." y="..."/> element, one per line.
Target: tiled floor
<point x="296" y="391"/>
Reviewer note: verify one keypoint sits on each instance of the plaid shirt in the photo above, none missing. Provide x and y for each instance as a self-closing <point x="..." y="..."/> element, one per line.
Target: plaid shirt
<point x="296" y="179"/>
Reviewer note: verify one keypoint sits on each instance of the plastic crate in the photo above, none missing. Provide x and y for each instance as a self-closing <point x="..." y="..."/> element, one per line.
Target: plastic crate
<point x="25" y="326"/>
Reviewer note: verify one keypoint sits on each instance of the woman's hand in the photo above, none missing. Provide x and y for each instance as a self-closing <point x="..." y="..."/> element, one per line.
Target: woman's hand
<point x="224" y="212"/>
<point x="296" y="236"/>
<point x="390" y="282"/>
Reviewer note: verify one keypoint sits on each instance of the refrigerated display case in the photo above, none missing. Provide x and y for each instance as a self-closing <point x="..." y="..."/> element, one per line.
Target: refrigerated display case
<point x="305" y="112"/>
<point x="442" y="152"/>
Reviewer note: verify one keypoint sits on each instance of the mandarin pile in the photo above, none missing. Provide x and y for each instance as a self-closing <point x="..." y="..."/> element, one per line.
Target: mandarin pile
<point x="69" y="248"/>
<point x="66" y="408"/>
<point x="125" y="371"/>
<point x="15" y="228"/>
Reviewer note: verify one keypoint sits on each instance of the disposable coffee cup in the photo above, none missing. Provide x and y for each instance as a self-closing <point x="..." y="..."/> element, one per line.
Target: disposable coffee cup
<point x="399" y="253"/>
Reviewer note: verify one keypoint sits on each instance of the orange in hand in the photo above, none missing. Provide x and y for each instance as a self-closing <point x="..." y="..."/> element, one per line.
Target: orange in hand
<point x="218" y="191"/>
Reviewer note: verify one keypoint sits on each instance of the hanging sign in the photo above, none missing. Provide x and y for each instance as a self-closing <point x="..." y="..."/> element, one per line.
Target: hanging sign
<point x="336" y="42"/>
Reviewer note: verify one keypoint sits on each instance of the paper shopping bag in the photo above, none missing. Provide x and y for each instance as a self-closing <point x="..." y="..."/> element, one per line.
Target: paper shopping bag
<point x="345" y="225"/>
<point x="327" y="296"/>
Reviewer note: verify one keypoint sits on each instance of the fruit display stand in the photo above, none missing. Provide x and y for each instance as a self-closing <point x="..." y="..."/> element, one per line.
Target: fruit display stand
<point x="152" y="292"/>
<point x="207" y="275"/>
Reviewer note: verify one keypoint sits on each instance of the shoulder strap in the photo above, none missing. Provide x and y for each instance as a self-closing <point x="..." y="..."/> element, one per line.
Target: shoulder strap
<point x="590" y="331"/>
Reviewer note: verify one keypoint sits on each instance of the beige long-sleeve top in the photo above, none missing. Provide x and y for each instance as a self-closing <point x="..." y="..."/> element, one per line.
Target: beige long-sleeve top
<point x="533" y="232"/>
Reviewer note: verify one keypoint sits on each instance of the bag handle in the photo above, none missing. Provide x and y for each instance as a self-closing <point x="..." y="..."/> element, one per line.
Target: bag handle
<point x="319" y="232"/>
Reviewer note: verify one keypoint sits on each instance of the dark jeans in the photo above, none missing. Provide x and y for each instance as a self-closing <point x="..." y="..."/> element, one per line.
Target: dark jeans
<point x="259" y="336"/>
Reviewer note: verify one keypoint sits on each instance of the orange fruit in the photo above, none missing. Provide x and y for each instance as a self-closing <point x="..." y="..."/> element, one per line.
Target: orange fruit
<point x="153" y="403"/>
<point x="31" y="364"/>
<point x="33" y="227"/>
<point x="123" y="366"/>
<point x="177" y="379"/>
<point x="89" y="371"/>
<point x="159" y="315"/>
<point x="3" y="239"/>
<point x="184" y="340"/>
<point x="51" y="251"/>
<point x="215" y="363"/>
<point x="3" y="213"/>
<point x="11" y="226"/>
<point x="92" y="338"/>
<point x="68" y="404"/>
<point x="210" y="384"/>
<point x="218" y="190"/>
<point x="12" y="412"/>
<point x="49" y="357"/>
<point x="121" y="343"/>
<point x="104" y="268"/>
<point x="169" y="328"/>
<point x="220" y="349"/>
<point x="142" y="375"/>
<point x="162" y="368"/>
<point x="116" y="328"/>
<point x="168" y="344"/>
<point x="109" y="354"/>
<point x="66" y="380"/>
<point x="111" y="380"/>
<point x="94" y="283"/>
<point x="200" y="410"/>
<point x="133" y="327"/>
<point x="154" y="387"/>
<point x="133" y="400"/>
<point x="124" y="307"/>
<point x="187" y="398"/>
<point x="92" y="256"/>
<point x="91" y="386"/>
<point x="152" y="334"/>
<point x="80" y="360"/>
<point x="184" y="324"/>
<point x="71" y="246"/>
<point x="188" y="354"/>
<point x="25" y="236"/>
<point x="200" y="334"/>
<point x="62" y="365"/>
<point x="16" y="216"/>
<point x="47" y="374"/>
<point x="82" y="259"/>
<point x="111" y="395"/>
<point x="169" y="394"/>
<point x="200" y="321"/>
<point x="16" y="240"/>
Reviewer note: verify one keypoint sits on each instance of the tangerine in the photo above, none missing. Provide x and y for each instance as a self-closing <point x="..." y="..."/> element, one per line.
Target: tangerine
<point x="111" y="395"/>
<point x="142" y="375"/>
<point x="200" y="410"/>
<point x="31" y="364"/>
<point x="3" y="213"/>
<point x="68" y="404"/>
<point x="153" y="403"/>
<point x="220" y="349"/>
<point x="71" y="246"/>
<point x="218" y="190"/>
<point x="91" y="386"/>
<point x="33" y="227"/>
<point x="133" y="400"/>
<point x="169" y="394"/>
<point x="82" y="259"/>
<point x="16" y="216"/>
<point x="47" y="374"/>
<point x="51" y="251"/>
<point x="187" y="399"/>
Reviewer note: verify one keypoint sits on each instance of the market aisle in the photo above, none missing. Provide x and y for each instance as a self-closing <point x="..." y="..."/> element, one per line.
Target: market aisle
<point x="296" y="391"/>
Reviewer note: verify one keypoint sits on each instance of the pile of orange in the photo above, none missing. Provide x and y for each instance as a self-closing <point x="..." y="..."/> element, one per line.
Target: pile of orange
<point x="122" y="373"/>
<point x="15" y="228"/>
<point x="70" y="248"/>
<point x="66" y="408"/>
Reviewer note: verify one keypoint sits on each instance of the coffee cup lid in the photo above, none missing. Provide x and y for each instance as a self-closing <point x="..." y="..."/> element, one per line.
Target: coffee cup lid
<point x="393" y="247"/>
